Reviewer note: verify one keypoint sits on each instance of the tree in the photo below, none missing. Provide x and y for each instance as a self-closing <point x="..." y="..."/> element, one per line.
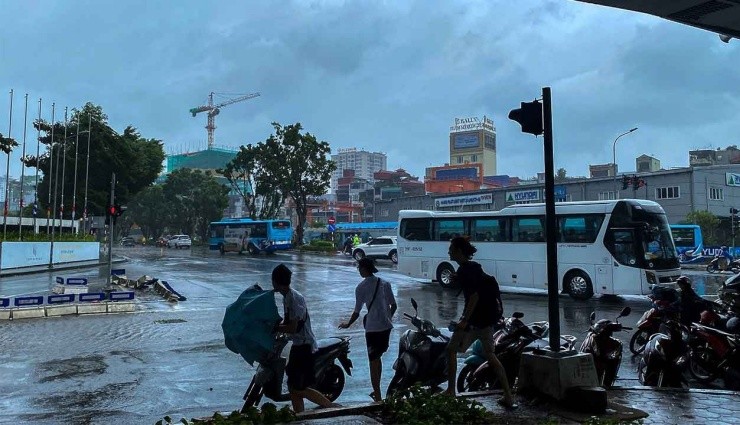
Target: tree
<point x="304" y="165"/>
<point x="150" y="211"/>
<point x="7" y="144"/>
<point x="194" y="199"/>
<point x="137" y="161"/>
<point x="254" y="174"/>
<point x="561" y="174"/>
<point x="708" y="223"/>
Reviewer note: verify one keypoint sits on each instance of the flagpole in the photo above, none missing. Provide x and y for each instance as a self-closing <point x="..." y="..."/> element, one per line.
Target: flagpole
<point x="36" y="185"/>
<point x="87" y="167"/>
<point x="74" y="185"/>
<point x="23" y="172"/>
<point x="64" y="169"/>
<point x="56" y="193"/>
<point x="50" y="229"/>
<point x="7" y="170"/>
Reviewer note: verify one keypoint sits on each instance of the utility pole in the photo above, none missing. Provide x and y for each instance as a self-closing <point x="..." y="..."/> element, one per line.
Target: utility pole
<point x="111" y="227"/>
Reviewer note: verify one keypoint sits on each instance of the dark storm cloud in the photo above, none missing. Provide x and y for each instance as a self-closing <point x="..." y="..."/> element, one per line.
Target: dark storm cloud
<point x="384" y="76"/>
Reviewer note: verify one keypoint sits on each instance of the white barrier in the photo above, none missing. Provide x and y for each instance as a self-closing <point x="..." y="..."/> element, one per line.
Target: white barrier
<point x="63" y="305"/>
<point x="28" y="254"/>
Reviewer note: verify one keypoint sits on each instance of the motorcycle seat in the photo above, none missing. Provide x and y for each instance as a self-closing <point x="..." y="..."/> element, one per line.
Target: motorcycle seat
<point x="328" y="344"/>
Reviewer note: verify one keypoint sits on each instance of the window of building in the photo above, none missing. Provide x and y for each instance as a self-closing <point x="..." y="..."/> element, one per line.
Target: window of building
<point x="716" y="194"/>
<point x="671" y="192"/>
<point x="459" y="159"/>
<point x="473" y="158"/>
<point x="608" y="195"/>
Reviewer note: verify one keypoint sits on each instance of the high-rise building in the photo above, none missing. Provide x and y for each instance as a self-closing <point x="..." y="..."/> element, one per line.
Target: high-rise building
<point x="473" y="141"/>
<point x="364" y="164"/>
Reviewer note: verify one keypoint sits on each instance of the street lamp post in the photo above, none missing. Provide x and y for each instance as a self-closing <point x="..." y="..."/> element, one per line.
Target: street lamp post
<point x="614" y="158"/>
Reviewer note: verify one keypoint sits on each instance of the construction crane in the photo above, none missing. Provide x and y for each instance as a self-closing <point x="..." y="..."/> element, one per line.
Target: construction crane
<point x="214" y="110"/>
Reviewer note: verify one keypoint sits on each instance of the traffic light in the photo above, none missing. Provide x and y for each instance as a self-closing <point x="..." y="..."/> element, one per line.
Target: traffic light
<point x="113" y="212"/>
<point x="734" y="211"/>
<point x="626" y="181"/>
<point x="637" y="183"/>
<point x="529" y="116"/>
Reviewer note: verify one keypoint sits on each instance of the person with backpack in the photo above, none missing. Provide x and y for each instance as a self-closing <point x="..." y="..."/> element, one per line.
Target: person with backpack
<point x="376" y="294"/>
<point x="483" y="309"/>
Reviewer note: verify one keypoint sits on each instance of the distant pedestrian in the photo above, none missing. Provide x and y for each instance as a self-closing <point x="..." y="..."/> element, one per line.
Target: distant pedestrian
<point x="377" y="296"/>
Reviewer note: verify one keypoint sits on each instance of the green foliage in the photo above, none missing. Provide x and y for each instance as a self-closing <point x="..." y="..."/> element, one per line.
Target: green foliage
<point x="149" y="210"/>
<point x="269" y="414"/>
<point x="595" y="420"/>
<point x="7" y="144"/>
<point x="254" y="174"/>
<point x="42" y="236"/>
<point x="318" y="245"/>
<point x="561" y="174"/>
<point x="708" y="223"/>
<point x="419" y="406"/>
<point x="136" y="161"/>
<point x="193" y="199"/>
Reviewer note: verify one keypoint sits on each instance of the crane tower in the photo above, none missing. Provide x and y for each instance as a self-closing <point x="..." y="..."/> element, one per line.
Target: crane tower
<point x="214" y="110"/>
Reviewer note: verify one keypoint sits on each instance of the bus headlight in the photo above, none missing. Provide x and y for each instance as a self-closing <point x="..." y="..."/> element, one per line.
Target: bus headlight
<point x="651" y="278"/>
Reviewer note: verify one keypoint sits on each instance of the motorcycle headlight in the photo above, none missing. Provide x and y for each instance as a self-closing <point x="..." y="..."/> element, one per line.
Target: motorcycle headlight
<point x="651" y="278"/>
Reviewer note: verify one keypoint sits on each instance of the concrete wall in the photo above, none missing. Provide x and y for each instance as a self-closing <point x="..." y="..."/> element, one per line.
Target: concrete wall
<point x="28" y="254"/>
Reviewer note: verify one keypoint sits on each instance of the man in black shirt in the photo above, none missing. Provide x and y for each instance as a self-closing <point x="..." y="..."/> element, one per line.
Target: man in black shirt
<point x="480" y="314"/>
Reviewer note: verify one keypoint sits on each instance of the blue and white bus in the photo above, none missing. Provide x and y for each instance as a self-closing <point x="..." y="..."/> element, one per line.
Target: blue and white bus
<point x="365" y="231"/>
<point x="688" y="240"/>
<point x="253" y="236"/>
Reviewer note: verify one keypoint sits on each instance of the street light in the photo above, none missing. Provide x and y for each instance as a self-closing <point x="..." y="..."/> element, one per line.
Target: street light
<point x="614" y="158"/>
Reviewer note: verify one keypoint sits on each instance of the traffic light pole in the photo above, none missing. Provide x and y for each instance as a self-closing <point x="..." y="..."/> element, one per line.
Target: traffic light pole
<point x="110" y="228"/>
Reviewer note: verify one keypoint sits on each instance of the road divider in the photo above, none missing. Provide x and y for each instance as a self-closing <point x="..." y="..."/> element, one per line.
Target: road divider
<point x="64" y="305"/>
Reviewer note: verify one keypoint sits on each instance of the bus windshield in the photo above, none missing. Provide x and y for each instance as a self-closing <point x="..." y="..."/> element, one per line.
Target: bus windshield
<point x="639" y="237"/>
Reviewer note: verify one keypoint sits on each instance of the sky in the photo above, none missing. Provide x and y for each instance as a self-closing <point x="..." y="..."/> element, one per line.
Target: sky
<point x="387" y="76"/>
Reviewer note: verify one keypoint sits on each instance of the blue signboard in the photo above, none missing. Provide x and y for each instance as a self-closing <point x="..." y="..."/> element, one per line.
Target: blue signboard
<point x="59" y="299"/>
<point x="76" y="281"/>
<point x="99" y="296"/>
<point x="466" y="140"/>
<point x="560" y="191"/>
<point x="331" y="228"/>
<point x="26" y="301"/>
<point x="4" y="302"/>
<point x="121" y="296"/>
<point x="60" y="280"/>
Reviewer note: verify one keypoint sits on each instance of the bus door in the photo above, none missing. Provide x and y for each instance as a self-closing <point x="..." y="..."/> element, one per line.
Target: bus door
<point x="627" y="277"/>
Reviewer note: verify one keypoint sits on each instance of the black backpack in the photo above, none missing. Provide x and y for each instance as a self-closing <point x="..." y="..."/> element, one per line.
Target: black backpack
<point x="491" y="284"/>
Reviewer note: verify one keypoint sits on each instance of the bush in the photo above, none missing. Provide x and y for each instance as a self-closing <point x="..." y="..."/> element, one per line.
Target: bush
<point x="322" y="244"/>
<point x="42" y="236"/>
<point x="269" y="414"/>
<point x="418" y="406"/>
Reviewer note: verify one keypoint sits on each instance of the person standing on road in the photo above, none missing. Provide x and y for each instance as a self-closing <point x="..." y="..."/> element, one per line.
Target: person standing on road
<point x="478" y="318"/>
<point x="355" y="240"/>
<point x="297" y="323"/>
<point x="376" y="294"/>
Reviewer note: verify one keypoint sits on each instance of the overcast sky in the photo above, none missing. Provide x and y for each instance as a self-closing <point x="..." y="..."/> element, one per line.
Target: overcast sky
<point x="384" y="76"/>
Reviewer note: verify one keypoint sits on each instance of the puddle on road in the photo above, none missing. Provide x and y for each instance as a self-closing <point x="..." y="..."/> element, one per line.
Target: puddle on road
<point x="205" y="348"/>
<point x="168" y="321"/>
<point x="76" y="367"/>
<point x="74" y="401"/>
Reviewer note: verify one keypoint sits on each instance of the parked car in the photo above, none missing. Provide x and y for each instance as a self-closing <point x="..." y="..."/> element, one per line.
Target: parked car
<point x="127" y="241"/>
<point x="180" y="241"/>
<point x="380" y="247"/>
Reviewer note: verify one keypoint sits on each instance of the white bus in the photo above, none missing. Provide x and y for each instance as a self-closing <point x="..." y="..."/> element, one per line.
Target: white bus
<point x="619" y="247"/>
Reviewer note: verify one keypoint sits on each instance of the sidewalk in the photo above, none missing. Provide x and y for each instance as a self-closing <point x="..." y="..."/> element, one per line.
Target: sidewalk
<point x="651" y="405"/>
<point x="57" y="267"/>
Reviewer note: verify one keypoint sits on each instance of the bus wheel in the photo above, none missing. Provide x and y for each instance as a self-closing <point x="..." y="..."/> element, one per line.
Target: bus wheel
<point x="394" y="256"/>
<point x="253" y="249"/>
<point x="578" y="285"/>
<point x="444" y="275"/>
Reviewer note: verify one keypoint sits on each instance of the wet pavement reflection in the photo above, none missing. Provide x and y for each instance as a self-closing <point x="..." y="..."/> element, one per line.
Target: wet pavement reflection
<point x="170" y="359"/>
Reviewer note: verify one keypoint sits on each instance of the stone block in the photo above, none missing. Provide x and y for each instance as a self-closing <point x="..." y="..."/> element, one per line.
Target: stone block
<point x="60" y="310"/>
<point x="28" y="313"/>
<point x="92" y="308"/>
<point x="5" y="314"/>
<point x="553" y="375"/>
<point x="121" y="307"/>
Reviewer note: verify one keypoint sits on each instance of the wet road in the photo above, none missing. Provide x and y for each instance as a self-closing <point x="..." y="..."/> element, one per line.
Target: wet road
<point x="169" y="359"/>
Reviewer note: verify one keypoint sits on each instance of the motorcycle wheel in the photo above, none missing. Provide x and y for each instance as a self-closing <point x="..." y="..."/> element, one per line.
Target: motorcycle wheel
<point x="398" y="382"/>
<point x="465" y="377"/>
<point x="641" y="372"/>
<point x="331" y="383"/>
<point x="700" y="365"/>
<point x="609" y="377"/>
<point x="638" y="341"/>
<point x="711" y="268"/>
<point x="252" y="397"/>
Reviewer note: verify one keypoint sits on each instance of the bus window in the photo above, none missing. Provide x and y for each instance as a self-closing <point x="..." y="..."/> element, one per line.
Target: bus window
<point x="217" y="230"/>
<point x="446" y="229"/>
<point x="281" y="225"/>
<point x="528" y="229"/>
<point x="416" y="229"/>
<point x="259" y="230"/>
<point x="490" y="230"/>
<point x="579" y="228"/>
<point x="623" y="247"/>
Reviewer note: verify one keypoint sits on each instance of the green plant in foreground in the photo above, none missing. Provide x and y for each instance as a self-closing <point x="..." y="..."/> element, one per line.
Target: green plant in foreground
<point x="268" y="414"/>
<point x="417" y="406"/>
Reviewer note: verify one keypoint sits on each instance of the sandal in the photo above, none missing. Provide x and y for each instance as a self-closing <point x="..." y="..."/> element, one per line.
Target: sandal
<point x="507" y="405"/>
<point x="376" y="399"/>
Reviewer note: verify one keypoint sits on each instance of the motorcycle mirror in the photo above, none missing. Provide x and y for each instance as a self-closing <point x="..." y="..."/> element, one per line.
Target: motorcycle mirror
<point x="517" y="315"/>
<point x="592" y="316"/>
<point x="414" y="304"/>
<point x="625" y="312"/>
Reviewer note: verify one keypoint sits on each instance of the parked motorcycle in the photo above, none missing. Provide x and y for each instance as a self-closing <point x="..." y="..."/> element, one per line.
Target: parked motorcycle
<point x="268" y="380"/>
<point x="605" y="349"/>
<point x="422" y="354"/>
<point x="665" y="358"/>
<point x="721" y="264"/>
<point x="729" y="295"/>
<point x="664" y="307"/>
<point x="513" y="339"/>
<point x="714" y="354"/>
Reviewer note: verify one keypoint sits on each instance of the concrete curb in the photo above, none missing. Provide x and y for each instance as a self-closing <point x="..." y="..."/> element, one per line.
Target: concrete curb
<point x="58" y="267"/>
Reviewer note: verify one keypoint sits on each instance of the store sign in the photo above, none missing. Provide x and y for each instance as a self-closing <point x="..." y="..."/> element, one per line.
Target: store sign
<point x="472" y="123"/>
<point x="732" y="179"/>
<point x="457" y="201"/>
<point x="523" y="195"/>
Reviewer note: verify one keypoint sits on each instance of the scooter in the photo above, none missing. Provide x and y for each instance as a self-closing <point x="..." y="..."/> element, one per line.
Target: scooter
<point x="665" y="358"/>
<point x="721" y="264"/>
<point x="329" y="378"/>
<point x="422" y="354"/>
<point x="664" y="307"/>
<point x="605" y="349"/>
<point x="513" y="339"/>
<point x="715" y="354"/>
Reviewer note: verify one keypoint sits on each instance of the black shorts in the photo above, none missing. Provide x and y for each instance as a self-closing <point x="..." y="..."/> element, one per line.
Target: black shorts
<point x="300" y="368"/>
<point x="377" y="343"/>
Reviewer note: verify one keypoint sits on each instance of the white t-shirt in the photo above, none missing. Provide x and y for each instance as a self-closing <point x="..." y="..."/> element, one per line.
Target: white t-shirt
<point x="379" y="316"/>
<point x="295" y="309"/>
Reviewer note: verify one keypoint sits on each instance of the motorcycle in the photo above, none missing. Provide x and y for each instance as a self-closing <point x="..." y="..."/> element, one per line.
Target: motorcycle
<point x="715" y="353"/>
<point x="729" y="295"/>
<point x="721" y="264"/>
<point x="513" y="339"/>
<point x="665" y="358"/>
<point x="664" y="306"/>
<point x="422" y="354"/>
<point x="329" y="377"/>
<point x="605" y="349"/>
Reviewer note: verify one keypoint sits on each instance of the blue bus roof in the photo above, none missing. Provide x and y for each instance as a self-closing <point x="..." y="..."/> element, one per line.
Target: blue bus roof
<point x="684" y="226"/>
<point x="368" y="226"/>
<point x="244" y="220"/>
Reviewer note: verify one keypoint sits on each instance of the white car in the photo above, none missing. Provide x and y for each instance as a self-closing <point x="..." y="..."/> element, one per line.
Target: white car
<point x="179" y="241"/>
<point x="380" y="247"/>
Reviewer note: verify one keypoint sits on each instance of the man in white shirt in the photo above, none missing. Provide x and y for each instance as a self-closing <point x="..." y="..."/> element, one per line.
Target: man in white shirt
<point x="376" y="294"/>
<point x="297" y="323"/>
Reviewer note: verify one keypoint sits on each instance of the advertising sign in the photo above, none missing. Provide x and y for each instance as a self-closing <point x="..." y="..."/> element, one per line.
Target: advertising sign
<point x="456" y="201"/>
<point x="25" y="254"/>
<point x="523" y="196"/>
<point x="732" y="179"/>
<point x="70" y="252"/>
<point x="466" y="140"/>
<point x="472" y="123"/>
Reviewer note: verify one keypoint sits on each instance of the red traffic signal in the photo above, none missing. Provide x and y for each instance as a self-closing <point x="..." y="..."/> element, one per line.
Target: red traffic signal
<point x="529" y="116"/>
<point x="111" y="210"/>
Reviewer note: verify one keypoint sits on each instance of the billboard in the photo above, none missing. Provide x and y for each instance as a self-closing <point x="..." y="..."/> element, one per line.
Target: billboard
<point x="465" y="140"/>
<point x="523" y="195"/>
<point x="458" y="201"/>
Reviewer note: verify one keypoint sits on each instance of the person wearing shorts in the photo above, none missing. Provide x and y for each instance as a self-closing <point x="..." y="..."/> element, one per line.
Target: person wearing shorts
<point x="377" y="296"/>
<point x="297" y="323"/>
